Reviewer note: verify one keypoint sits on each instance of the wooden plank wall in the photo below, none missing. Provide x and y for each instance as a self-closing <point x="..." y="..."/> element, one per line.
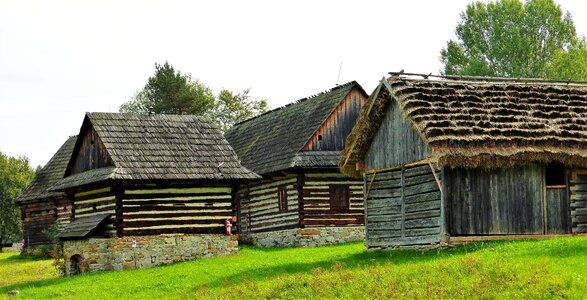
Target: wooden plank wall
<point x="149" y="209"/>
<point x="404" y="207"/>
<point x="395" y="143"/>
<point x="260" y="208"/>
<point x="316" y="201"/>
<point x="96" y="201"/>
<point x="333" y="132"/>
<point x="91" y="155"/>
<point x="578" y="188"/>
<point x="43" y="214"/>
<point x="502" y="201"/>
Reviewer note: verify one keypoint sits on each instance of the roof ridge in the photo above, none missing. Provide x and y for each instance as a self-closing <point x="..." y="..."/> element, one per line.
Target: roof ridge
<point x="402" y="75"/>
<point x="350" y="83"/>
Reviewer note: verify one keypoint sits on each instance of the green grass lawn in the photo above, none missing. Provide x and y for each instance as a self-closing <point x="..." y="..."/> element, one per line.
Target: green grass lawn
<point x="545" y="269"/>
<point x="16" y="269"/>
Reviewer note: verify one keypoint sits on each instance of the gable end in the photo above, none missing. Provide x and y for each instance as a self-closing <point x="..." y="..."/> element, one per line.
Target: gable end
<point x="89" y="152"/>
<point x="331" y="135"/>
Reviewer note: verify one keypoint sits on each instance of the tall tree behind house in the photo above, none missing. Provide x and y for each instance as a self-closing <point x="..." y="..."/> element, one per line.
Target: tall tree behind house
<point x="170" y="91"/>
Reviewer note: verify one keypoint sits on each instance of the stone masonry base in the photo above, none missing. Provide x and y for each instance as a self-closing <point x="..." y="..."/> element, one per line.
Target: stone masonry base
<point x="305" y="237"/>
<point x="103" y="254"/>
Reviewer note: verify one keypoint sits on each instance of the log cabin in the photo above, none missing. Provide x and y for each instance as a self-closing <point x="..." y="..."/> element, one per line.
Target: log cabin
<point x="164" y="184"/>
<point x="42" y="209"/>
<point x="448" y="159"/>
<point x="303" y="199"/>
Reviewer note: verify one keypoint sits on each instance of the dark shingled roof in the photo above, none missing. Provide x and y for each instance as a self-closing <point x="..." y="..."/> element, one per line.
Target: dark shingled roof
<point x="272" y="141"/>
<point x="151" y="147"/>
<point x="51" y="173"/>
<point x="482" y="122"/>
<point x="83" y="227"/>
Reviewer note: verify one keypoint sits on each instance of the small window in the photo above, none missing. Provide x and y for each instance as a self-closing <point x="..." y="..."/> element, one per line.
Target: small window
<point x="319" y="137"/>
<point x="554" y="175"/>
<point x="339" y="197"/>
<point x="282" y="196"/>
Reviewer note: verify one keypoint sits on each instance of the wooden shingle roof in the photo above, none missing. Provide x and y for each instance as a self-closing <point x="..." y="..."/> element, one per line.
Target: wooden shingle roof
<point x="273" y="141"/>
<point x="83" y="227"/>
<point x="50" y="174"/>
<point x="153" y="147"/>
<point x="482" y="122"/>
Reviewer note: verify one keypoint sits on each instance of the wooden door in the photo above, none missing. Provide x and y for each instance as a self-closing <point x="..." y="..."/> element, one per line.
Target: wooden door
<point x="558" y="210"/>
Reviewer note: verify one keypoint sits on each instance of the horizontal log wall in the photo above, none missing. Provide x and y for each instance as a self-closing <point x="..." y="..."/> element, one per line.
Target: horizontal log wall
<point x="316" y="201"/>
<point x="149" y="209"/>
<point x="260" y="205"/>
<point x="404" y="208"/>
<point x="578" y="187"/>
<point x="41" y="215"/>
<point x="94" y="202"/>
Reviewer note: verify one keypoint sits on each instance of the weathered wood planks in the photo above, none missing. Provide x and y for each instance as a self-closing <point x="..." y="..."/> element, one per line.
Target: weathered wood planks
<point x="502" y="201"/>
<point x="403" y="207"/>
<point x="578" y="191"/>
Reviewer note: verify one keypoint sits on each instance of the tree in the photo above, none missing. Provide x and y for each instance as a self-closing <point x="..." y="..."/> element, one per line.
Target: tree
<point x="231" y="108"/>
<point x="15" y="176"/>
<point x="508" y="38"/>
<point x="171" y="92"/>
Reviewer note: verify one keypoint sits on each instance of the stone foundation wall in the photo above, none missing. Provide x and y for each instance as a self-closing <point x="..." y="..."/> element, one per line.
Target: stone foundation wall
<point x="104" y="254"/>
<point x="305" y="237"/>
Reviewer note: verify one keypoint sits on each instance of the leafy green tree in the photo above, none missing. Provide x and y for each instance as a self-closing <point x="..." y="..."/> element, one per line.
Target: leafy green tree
<point x="171" y="92"/>
<point x="231" y="108"/>
<point x="15" y="176"/>
<point x="509" y="38"/>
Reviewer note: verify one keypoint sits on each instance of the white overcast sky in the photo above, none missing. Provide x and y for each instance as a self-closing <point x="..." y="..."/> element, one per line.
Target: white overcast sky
<point x="60" y="59"/>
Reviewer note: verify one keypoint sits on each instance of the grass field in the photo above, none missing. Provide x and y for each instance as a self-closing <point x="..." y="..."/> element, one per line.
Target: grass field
<point x="545" y="269"/>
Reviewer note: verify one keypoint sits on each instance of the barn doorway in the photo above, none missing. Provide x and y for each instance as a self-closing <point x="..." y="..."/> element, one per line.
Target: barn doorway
<point x="75" y="266"/>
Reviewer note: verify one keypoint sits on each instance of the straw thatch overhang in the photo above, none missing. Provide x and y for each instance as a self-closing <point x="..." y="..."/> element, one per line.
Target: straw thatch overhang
<point x="50" y="174"/>
<point x="157" y="147"/>
<point x="480" y="122"/>
<point x="273" y="142"/>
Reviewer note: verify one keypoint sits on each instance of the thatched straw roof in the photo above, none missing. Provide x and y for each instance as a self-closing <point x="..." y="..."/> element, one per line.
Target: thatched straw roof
<point x="158" y="147"/>
<point x="273" y="141"/>
<point x="481" y="122"/>
<point x="50" y="174"/>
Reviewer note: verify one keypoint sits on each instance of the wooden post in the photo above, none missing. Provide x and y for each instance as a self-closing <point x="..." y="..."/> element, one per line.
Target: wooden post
<point x="300" y="188"/>
<point x="403" y="202"/>
<point x="118" y="190"/>
<point x="366" y="195"/>
<point x="444" y="212"/>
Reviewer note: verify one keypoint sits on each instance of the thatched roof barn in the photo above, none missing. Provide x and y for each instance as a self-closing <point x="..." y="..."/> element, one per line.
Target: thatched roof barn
<point x="296" y="149"/>
<point x="41" y="208"/>
<point x="472" y="129"/>
<point x="136" y="175"/>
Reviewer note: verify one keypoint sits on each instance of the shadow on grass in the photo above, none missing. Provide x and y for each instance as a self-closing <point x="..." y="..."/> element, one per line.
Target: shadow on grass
<point x="363" y="259"/>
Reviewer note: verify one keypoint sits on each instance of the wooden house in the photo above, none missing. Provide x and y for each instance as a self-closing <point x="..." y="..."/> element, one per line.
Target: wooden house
<point x="447" y="158"/>
<point x="303" y="198"/>
<point x="161" y="183"/>
<point x="42" y="209"/>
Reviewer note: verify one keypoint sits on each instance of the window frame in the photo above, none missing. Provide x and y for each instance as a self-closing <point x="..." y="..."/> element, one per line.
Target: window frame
<point x="282" y="198"/>
<point x="339" y="197"/>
